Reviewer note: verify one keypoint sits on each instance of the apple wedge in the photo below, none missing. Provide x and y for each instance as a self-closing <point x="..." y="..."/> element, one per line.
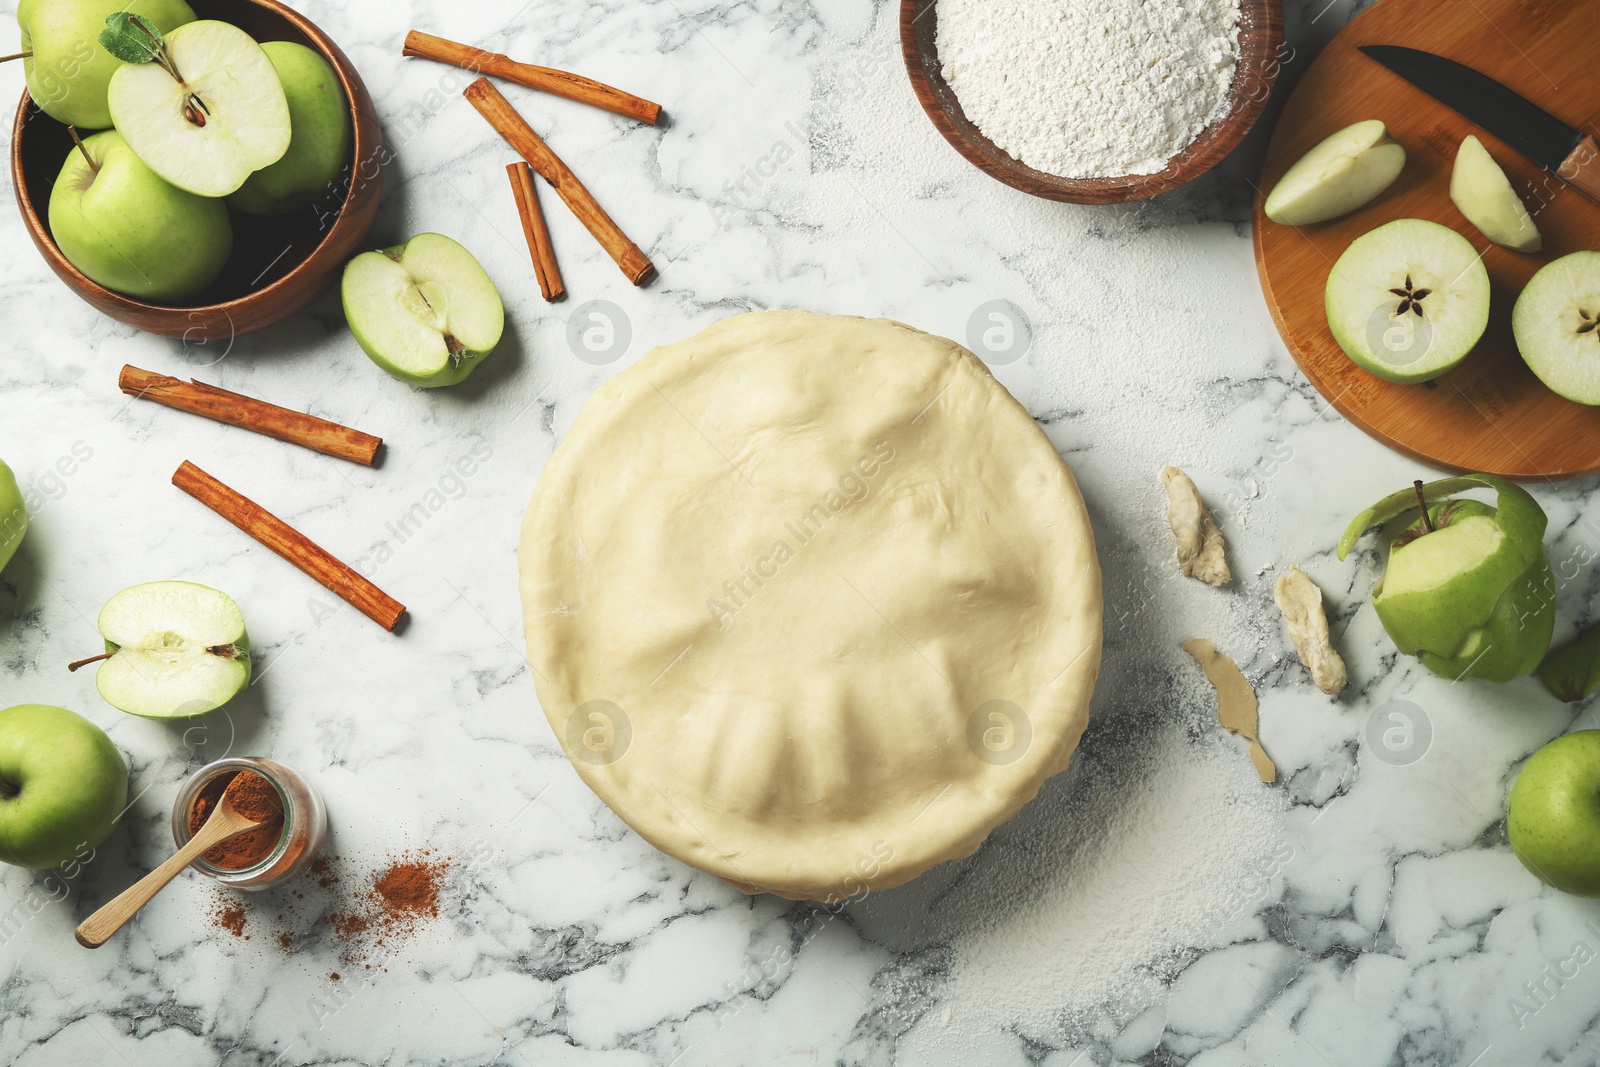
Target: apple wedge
<point x="1409" y="300"/>
<point x="207" y="113"/>
<point x="1344" y="172"/>
<point x="1557" y="326"/>
<point x="425" y="311"/>
<point x="173" y="650"/>
<point x="1483" y="193"/>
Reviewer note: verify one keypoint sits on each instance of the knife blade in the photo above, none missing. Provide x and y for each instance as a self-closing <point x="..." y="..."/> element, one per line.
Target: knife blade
<point x="1508" y="115"/>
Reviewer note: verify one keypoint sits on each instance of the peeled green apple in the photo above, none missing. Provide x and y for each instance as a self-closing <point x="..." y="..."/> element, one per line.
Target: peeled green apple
<point x="1344" y="172"/>
<point x="208" y="113"/>
<point x="1557" y="326"/>
<point x="173" y="650"/>
<point x="68" y="71"/>
<point x="320" y="135"/>
<point x="1572" y="672"/>
<point x="119" y="223"/>
<point x="63" y="785"/>
<point x="1409" y="300"/>
<point x="1484" y="195"/>
<point x="13" y="515"/>
<point x="1468" y="590"/>
<point x="1553" y="818"/>
<point x="425" y="311"/>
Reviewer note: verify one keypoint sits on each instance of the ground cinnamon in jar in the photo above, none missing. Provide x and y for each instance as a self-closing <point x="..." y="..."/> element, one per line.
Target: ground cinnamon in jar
<point x="254" y="798"/>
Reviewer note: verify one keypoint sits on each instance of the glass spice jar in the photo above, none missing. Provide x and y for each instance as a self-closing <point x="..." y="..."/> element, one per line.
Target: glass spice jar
<point x="305" y="823"/>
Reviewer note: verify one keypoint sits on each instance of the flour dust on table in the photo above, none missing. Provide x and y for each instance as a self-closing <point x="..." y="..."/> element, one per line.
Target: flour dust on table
<point x="1090" y="88"/>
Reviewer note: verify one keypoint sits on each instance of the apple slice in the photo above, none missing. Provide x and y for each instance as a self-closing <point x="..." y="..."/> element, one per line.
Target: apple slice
<point x="1484" y="194"/>
<point x="425" y="311"/>
<point x="173" y="650"/>
<point x="1557" y="326"/>
<point x="1409" y="300"/>
<point x="1344" y="172"/>
<point x="207" y="113"/>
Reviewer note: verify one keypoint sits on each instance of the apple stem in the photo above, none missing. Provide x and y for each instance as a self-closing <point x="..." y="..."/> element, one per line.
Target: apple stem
<point x="16" y="55"/>
<point x="92" y="659"/>
<point x="1422" y="502"/>
<point x="73" y="130"/>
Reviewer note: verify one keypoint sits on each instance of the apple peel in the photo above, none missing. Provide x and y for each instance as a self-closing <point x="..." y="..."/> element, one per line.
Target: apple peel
<point x="1513" y="502"/>
<point x="1201" y="550"/>
<point x="1237" y="708"/>
<point x="1298" y="597"/>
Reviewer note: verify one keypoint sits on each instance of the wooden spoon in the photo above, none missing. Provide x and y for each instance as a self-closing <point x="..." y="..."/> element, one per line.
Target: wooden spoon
<point x="223" y="824"/>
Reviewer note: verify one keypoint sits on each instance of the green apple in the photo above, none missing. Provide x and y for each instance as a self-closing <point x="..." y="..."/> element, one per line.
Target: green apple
<point x="119" y="223"/>
<point x="1557" y="326"/>
<point x="1344" y="172"/>
<point x="63" y="785"/>
<point x="1468" y="590"/>
<point x="1409" y="300"/>
<point x="207" y="113"/>
<point x="68" y="70"/>
<point x="173" y="650"/>
<point x="1572" y="672"/>
<point x="1553" y="818"/>
<point x="13" y="515"/>
<point x="1484" y="195"/>
<point x="320" y="135"/>
<point x="425" y="311"/>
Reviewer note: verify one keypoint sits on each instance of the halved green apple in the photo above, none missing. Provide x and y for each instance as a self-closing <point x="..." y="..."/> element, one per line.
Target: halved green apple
<point x="1557" y="326"/>
<point x="209" y="114"/>
<point x="174" y="650"/>
<point x="1409" y="300"/>
<point x="425" y="311"/>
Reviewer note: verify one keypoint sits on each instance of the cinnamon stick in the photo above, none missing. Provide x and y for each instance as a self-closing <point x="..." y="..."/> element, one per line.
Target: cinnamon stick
<point x="537" y="232"/>
<point x="494" y="107"/>
<point x="546" y="79"/>
<point x="248" y="413"/>
<point x="271" y="531"/>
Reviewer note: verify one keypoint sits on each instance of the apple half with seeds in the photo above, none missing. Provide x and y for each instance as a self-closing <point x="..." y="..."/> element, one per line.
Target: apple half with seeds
<point x="205" y="110"/>
<point x="425" y="311"/>
<point x="1557" y="326"/>
<point x="173" y="650"/>
<point x="1409" y="300"/>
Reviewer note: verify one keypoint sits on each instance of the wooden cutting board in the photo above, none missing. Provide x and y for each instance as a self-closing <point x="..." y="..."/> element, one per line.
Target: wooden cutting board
<point x="1490" y="413"/>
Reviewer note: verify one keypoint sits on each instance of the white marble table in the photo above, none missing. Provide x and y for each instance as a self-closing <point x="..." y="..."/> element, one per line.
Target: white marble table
<point x="797" y="170"/>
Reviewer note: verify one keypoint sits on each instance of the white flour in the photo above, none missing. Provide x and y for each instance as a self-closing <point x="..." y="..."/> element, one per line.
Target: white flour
<point x="1154" y="855"/>
<point x="1090" y="88"/>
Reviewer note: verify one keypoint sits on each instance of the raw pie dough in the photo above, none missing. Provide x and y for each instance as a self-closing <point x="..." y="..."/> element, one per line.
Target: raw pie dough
<point x="812" y="602"/>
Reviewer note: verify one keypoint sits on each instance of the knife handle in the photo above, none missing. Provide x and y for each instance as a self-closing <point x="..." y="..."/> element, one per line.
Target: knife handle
<point x="1581" y="169"/>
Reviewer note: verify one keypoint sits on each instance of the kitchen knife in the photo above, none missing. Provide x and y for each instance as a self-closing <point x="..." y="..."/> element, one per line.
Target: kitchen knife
<point x="1571" y="154"/>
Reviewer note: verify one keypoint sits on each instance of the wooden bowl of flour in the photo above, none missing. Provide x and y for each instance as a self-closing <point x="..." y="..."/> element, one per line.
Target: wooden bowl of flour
<point x="1260" y="57"/>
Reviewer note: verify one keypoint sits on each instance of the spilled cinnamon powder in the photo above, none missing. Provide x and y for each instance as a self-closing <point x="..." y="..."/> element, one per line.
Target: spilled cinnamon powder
<point x="369" y="921"/>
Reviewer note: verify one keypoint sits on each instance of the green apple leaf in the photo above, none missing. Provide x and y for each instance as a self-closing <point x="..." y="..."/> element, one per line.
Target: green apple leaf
<point x="1518" y="511"/>
<point x="131" y="38"/>
<point x="1572" y="672"/>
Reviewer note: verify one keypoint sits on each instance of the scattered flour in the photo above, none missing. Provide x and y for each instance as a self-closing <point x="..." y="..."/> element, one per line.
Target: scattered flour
<point x="1156" y="854"/>
<point x="1090" y="88"/>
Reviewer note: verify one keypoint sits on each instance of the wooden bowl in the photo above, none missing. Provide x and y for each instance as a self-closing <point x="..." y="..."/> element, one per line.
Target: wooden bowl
<point x="280" y="263"/>
<point x="1260" y="57"/>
